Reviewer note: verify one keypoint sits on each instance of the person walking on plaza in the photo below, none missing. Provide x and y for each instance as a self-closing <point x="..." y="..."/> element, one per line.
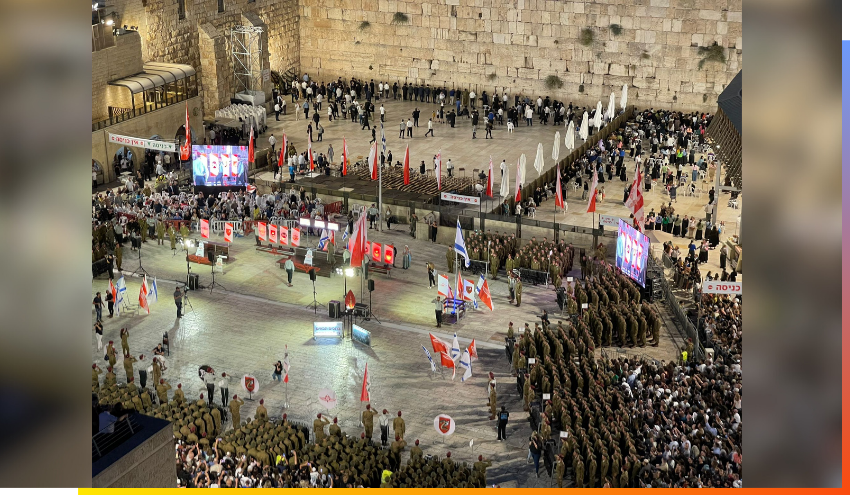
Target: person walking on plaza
<point x="438" y="309"/>
<point x="430" y="128"/>
<point x="98" y="334"/>
<point x="503" y="423"/>
<point x="178" y="300"/>
<point x="110" y="303"/>
<point x="125" y="345"/>
<point x="289" y="266"/>
<point x="278" y="371"/>
<point x="143" y="372"/>
<point x="431" y="274"/>
<point x="223" y="387"/>
<point x="209" y="382"/>
<point x="98" y="306"/>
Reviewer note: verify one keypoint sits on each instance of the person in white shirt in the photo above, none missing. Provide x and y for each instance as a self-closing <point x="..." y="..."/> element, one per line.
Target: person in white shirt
<point x="518" y="209"/>
<point x="502" y="167"/>
<point x="382" y="112"/>
<point x="472" y="99"/>
<point x="309" y="92"/>
<point x="430" y="128"/>
<point x="529" y="115"/>
<point x="272" y="142"/>
<point x="160" y="170"/>
<point x="510" y="126"/>
<point x="449" y="167"/>
<point x="223" y="387"/>
<point x="319" y="101"/>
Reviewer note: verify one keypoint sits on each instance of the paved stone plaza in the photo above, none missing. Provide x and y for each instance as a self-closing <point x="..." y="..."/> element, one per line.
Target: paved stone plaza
<point x="244" y="330"/>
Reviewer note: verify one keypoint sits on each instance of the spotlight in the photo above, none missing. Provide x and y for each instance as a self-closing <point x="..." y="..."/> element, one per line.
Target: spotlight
<point x="305" y="222"/>
<point x="349" y="272"/>
<point x="319" y="224"/>
<point x="109" y="22"/>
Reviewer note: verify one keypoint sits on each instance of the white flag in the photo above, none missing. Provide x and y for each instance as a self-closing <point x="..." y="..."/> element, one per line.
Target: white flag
<point x="538" y="160"/>
<point x="466" y="362"/>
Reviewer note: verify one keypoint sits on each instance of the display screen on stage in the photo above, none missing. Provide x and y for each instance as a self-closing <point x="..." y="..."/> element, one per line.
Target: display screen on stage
<point x="220" y="165"/>
<point x="632" y="251"/>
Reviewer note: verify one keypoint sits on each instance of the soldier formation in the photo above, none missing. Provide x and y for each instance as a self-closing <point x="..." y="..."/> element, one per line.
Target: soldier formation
<point x="629" y="422"/>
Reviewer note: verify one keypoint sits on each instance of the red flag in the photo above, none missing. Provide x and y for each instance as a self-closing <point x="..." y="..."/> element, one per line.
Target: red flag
<point x="281" y="162"/>
<point x="286" y="378"/>
<point x="473" y="351"/>
<point x="143" y="298"/>
<point x="310" y="152"/>
<point x="228" y="232"/>
<point x="635" y="201"/>
<point x="448" y="362"/>
<point x="459" y="285"/>
<point x="205" y="229"/>
<point x="440" y="169"/>
<point x="359" y="247"/>
<point x="484" y="295"/>
<point x="591" y="203"/>
<point x="559" y="197"/>
<point x="186" y="147"/>
<point x="251" y="147"/>
<point x="364" y="390"/>
<point x="437" y="344"/>
<point x="407" y="165"/>
<point x="489" y="191"/>
<point x="344" y="157"/>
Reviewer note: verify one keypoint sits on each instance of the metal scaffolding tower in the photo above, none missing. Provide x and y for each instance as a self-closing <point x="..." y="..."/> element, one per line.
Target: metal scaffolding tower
<point x="246" y="50"/>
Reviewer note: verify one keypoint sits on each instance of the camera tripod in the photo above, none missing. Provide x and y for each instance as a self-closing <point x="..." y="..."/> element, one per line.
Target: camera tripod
<point x="140" y="270"/>
<point x="315" y="304"/>
<point x="214" y="283"/>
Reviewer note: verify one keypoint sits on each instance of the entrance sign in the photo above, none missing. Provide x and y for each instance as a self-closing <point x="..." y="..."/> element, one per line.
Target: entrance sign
<point x="722" y="288"/>
<point x="327" y="329"/>
<point x="457" y="198"/>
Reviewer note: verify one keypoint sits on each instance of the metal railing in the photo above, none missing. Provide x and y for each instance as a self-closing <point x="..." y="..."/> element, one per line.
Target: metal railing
<point x="190" y="91"/>
<point x="107" y="439"/>
<point x="680" y="317"/>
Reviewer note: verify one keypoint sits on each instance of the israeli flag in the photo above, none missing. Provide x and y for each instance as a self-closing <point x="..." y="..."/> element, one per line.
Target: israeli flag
<point x="466" y="362"/>
<point x="383" y="139"/>
<point x="460" y="245"/>
<point x="153" y="296"/>
<point x="323" y="241"/>
<point x="455" y="348"/>
<point x="427" y="353"/>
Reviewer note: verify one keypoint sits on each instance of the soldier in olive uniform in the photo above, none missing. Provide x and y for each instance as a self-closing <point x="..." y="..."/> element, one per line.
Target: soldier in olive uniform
<point x="319" y="428"/>
<point x="110" y="354"/>
<point x="234" y="406"/>
<point x="160" y="231"/>
<point x="494" y="265"/>
<point x="413" y="220"/>
<point x="335" y="430"/>
<point x="559" y="470"/>
<point x="172" y="236"/>
<point x="119" y="256"/>
<point x="162" y="388"/>
<point x="416" y="451"/>
<point x="125" y="345"/>
<point x="518" y="291"/>
<point x="128" y="366"/>
<point x="178" y="394"/>
<point x="261" y="413"/>
<point x="450" y="260"/>
<point x="398" y="426"/>
<point x="368" y="420"/>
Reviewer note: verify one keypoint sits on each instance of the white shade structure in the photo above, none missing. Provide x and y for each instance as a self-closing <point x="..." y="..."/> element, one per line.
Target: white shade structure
<point x="521" y="173"/>
<point x="624" y="97"/>
<point x="556" y="149"/>
<point x="597" y="117"/>
<point x="582" y="131"/>
<point x="505" y="186"/>
<point x="570" y="138"/>
<point x="538" y="160"/>
<point x="612" y="107"/>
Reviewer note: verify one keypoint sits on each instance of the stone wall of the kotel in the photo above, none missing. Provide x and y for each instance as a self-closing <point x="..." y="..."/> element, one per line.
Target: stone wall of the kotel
<point x="514" y="45"/>
<point x="202" y="39"/>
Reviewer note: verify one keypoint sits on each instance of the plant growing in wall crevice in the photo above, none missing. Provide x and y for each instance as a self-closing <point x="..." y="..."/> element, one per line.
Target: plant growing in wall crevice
<point x="401" y="18"/>
<point x="364" y="25"/>
<point x="491" y="77"/>
<point x="616" y="29"/>
<point x="554" y="82"/>
<point x="586" y="37"/>
<point x="713" y="53"/>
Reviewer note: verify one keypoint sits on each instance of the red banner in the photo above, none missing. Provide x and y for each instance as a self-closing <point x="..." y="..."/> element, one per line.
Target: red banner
<point x="389" y="254"/>
<point x="284" y="235"/>
<point x="273" y="233"/>
<point x="296" y="236"/>
<point x="376" y="252"/>
<point x="261" y="230"/>
<point x="228" y="232"/>
<point x="205" y="229"/>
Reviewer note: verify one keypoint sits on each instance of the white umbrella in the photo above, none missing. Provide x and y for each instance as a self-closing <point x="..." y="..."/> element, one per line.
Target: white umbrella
<point x="538" y="160"/>
<point x="556" y="150"/>
<point x="597" y="117"/>
<point x="582" y="131"/>
<point x="570" y="138"/>
<point x="612" y="107"/>
<point x="624" y="97"/>
<point x="505" y="186"/>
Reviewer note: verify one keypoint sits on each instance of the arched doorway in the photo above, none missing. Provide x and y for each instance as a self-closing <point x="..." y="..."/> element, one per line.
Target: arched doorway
<point x="124" y="160"/>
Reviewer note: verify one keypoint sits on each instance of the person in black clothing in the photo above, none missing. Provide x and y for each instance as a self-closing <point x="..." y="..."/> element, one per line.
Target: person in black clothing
<point x="535" y="447"/>
<point x="503" y="423"/>
<point x="374" y="128"/>
<point x="416" y="117"/>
